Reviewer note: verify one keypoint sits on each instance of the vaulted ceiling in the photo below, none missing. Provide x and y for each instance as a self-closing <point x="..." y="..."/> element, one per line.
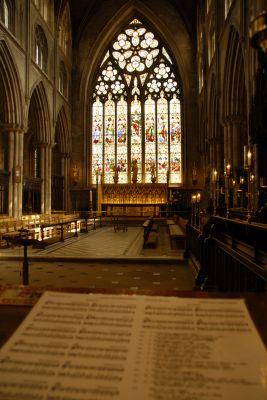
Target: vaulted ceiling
<point x="84" y="9"/>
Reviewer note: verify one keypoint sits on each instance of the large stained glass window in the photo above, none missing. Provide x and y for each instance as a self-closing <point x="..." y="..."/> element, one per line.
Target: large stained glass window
<point x="136" y="112"/>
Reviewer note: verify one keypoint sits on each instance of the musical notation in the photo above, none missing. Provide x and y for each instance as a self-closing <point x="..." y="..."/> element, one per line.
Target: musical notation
<point x="82" y="347"/>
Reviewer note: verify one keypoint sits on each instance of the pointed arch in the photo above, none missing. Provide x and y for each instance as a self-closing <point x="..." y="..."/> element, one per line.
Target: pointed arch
<point x="39" y="114"/>
<point x="11" y="110"/>
<point x="212" y="108"/>
<point x="234" y="98"/>
<point x="130" y="10"/>
<point x="62" y="132"/>
<point x="64" y="29"/>
<point x="136" y="68"/>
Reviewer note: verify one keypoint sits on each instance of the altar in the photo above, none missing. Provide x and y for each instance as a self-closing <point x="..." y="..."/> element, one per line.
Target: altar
<point x="140" y="200"/>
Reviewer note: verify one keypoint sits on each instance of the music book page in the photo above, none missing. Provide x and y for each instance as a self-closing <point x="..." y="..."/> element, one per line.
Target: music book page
<point x="101" y="347"/>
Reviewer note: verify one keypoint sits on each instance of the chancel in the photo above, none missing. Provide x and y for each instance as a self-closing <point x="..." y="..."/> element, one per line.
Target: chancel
<point x="133" y="150"/>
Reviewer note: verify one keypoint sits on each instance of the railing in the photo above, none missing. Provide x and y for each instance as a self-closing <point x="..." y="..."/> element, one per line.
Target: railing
<point x="231" y="255"/>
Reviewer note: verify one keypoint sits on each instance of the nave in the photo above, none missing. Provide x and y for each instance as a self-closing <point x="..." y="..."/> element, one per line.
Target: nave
<point x="102" y="259"/>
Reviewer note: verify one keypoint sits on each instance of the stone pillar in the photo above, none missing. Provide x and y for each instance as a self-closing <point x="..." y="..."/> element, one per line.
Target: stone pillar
<point x="42" y="172"/>
<point x="16" y="165"/>
<point x="225" y="135"/>
<point x="65" y="163"/>
<point x="257" y="178"/>
<point x="20" y="184"/>
<point x="49" y="178"/>
<point x="11" y="145"/>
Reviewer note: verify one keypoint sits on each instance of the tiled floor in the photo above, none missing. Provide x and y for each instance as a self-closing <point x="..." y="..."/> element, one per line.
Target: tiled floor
<point x="124" y="263"/>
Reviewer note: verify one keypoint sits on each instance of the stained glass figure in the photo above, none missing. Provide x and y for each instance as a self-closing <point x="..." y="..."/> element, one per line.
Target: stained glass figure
<point x="136" y="135"/>
<point x="109" y="148"/>
<point x="175" y="141"/>
<point x="136" y="113"/>
<point x="122" y="140"/>
<point x="97" y="138"/>
<point x="150" y="138"/>
<point x="162" y="139"/>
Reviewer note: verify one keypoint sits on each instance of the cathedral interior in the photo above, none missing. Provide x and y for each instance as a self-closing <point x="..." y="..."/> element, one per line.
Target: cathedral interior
<point x="133" y="145"/>
<point x="133" y="161"/>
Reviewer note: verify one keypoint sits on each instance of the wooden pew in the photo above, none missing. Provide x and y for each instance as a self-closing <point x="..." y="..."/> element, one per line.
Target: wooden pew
<point x="177" y="236"/>
<point x="147" y="225"/>
<point x="152" y="239"/>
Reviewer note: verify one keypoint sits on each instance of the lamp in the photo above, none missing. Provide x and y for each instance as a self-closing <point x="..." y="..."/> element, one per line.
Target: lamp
<point x="248" y="165"/>
<point x="193" y="201"/>
<point x="227" y="174"/>
<point x="215" y="181"/>
<point x="248" y="157"/>
<point x="228" y="170"/>
<point x="17" y="173"/>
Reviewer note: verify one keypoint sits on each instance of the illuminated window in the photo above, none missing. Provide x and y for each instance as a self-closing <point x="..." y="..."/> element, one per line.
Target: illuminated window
<point x="136" y="113"/>
<point x="41" y="49"/>
<point x="63" y="80"/>
<point x="6" y="12"/>
<point x="208" y="4"/>
<point x="43" y="7"/>
<point x="227" y="5"/>
<point x="64" y="35"/>
<point x="211" y="42"/>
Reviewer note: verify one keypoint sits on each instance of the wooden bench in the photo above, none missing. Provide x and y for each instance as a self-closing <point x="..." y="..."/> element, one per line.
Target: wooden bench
<point x="170" y="222"/>
<point x="152" y="240"/>
<point x="182" y="223"/>
<point x="154" y="228"/>
<point x="177" y="235"/>
<point x="147" y="225"/>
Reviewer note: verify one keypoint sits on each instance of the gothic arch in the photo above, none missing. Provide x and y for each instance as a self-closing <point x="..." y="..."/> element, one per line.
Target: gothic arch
<point x="183" y="58"/>
<point x="11" y="113"/>
<point x="234" y="96"/>
<point x="212" y="108"/>
<point x="40" y="115"/>
<point x="62" y="132"/>
<point x="95" y="37"/>
<point x="235" y="103"/>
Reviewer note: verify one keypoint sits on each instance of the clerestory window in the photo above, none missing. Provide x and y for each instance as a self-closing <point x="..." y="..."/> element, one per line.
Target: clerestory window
<point x="41" y="48"/>
<point x="136" y="111"/>
<point x="6" y="13"/>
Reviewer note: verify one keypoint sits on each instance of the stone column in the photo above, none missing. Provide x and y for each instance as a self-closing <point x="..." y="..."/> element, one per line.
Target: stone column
<point x="20" y="184"/>
<point x="11" y="145"/>
<point x="225" y="135"/>
<point x="16" y="164"/>
<point x="42" y="173"/>
<point x="65" y="162"/>
<point x="49" y="178"/>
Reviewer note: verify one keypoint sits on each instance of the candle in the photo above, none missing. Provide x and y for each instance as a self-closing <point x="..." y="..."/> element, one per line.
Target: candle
<point x="228" y="170"/>
<point x="198" y="197"/>
<point x="249" y="158"/>
<point x="214" y="175"/>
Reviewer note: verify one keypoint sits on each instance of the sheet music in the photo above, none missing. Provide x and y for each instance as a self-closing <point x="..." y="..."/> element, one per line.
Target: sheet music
<point x="101" y="347"/>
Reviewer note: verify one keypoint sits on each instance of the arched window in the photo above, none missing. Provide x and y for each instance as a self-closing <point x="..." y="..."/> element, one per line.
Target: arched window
<point x="211" y="40"/>
<point x="6" y="13"/>
<point x="136" y="113"/>
<point x="64" y="38"/>
<point x="227" y="6"/>
<point x="63" y="80"/>
<point x="43" y="7"/>
<point x="41" y="48"/>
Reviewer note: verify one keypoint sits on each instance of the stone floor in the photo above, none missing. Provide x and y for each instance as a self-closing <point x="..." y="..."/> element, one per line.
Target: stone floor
<point x="102" y="259"/>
